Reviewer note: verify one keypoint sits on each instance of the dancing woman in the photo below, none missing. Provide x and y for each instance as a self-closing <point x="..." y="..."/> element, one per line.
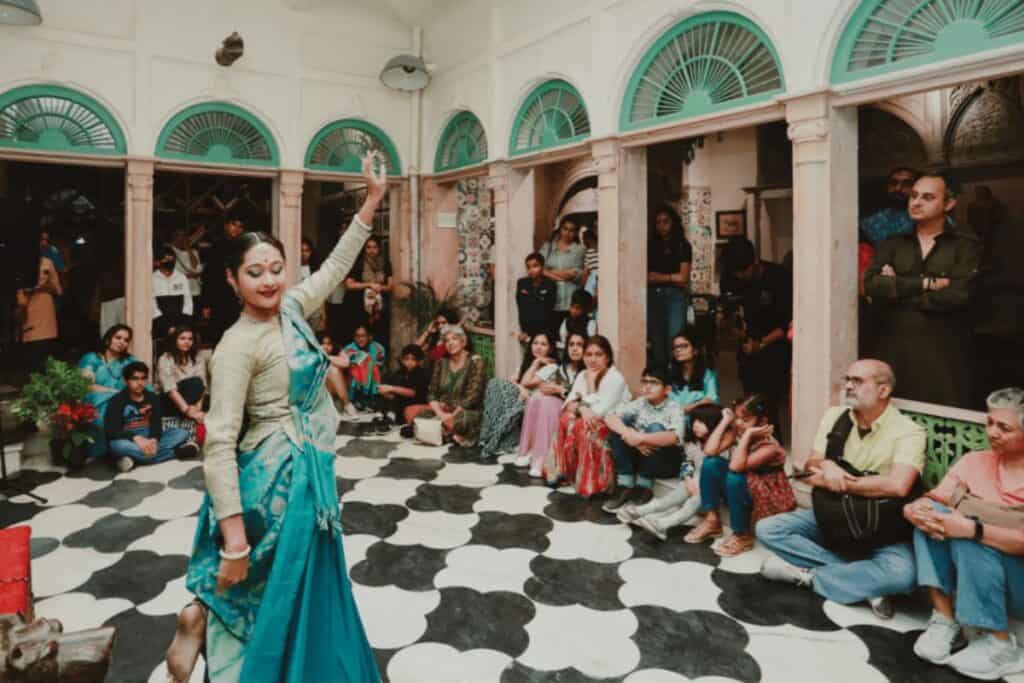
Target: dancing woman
<point x="268" y="568"/>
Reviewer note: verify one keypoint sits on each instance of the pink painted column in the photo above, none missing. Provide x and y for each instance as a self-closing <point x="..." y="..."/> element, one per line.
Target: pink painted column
<point x="824" y="258"/>
<point x="138" y="254"/>
<point x="288" y="218"/>
<point x="401" y="250"/>
<point x="622" y="253"/>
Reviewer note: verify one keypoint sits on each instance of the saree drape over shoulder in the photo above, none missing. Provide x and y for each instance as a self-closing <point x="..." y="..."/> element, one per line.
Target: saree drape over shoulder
<point x="294" y="618"/>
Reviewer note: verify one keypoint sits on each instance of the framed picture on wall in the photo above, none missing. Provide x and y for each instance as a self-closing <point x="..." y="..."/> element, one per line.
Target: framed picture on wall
<point x="730" y="224"/>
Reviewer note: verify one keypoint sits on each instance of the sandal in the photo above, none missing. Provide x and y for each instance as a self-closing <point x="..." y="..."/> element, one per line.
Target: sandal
<point x="735" y="545"/>
<point x="189" y="638"/>
<point x="702" y="532"/>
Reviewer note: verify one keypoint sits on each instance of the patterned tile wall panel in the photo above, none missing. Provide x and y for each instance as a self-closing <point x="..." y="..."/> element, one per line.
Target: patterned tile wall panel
<point x="695" y="210"/>
<point x="476" y="250"/>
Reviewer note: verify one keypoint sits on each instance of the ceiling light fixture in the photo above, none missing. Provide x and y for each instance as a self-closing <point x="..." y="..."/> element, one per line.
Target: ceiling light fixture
<point x="20" y="13"/>
<point x="405" y="72"/>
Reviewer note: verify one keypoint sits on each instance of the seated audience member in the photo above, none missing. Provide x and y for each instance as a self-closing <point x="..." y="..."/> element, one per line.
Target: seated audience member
<point x="694" y="382"/>
<point x="134" y="427"/>
<point x="969" y="545"/>
<point x="105" y="370"/>
<point x="456" y="393"/>
<point x="535" y="299"/>
<point x="172" y="298"/>
<point x="184" y="379"/>
<point x="888" y="448"/>
<point x="337" y="384"/>
<point x="578" y="320"/>
<point x="405" y="393"/>
<point x="581" y="452"/>
<point x="540" y="418"/>
<point x="366" y="358"/>
<point x="679" y="506"/>
<point x="643" y="433"/>
<point x="432" y="339"/>
<point x="505" y="400"/>
<point x="751" y="480"/>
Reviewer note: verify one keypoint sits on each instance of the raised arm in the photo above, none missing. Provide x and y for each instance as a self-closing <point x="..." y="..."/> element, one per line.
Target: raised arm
<point x="312" y="292"/>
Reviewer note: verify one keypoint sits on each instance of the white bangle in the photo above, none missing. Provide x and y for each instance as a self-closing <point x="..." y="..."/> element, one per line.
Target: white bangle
<point x="240" y="555"/>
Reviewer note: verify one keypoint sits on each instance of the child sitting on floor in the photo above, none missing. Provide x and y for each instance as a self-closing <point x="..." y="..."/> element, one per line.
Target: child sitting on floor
<point x="405" y="393"/>
<point x="752" y="481"/>
<point x="662" y="514"/>
<point x="366" y="358"/>
<point x="337" y="386"/>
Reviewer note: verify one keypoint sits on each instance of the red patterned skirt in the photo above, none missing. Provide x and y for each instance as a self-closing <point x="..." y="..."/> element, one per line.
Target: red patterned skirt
<point x="582" y="456"/>
<point x="771" y="493"/>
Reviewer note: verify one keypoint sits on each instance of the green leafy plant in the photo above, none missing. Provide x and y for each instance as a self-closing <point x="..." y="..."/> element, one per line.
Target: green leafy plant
<point x="59" y="383"/>
<point x="424" y="301"/>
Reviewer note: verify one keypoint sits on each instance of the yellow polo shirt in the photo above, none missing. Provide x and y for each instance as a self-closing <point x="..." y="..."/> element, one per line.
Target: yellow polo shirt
<point x="894" y="439"/>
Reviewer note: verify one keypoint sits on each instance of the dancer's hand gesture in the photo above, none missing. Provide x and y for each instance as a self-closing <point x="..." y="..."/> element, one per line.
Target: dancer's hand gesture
<point x="376" y="180"/>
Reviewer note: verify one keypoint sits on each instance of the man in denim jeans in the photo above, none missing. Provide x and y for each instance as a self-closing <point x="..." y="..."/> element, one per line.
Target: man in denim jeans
<point x="644" y="436"/>
<point x="134" y="428"/>
<point x="882" y="440"/>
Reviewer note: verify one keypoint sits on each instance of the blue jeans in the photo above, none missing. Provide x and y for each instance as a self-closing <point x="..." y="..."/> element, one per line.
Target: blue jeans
<point x="989" y="584"/>
<point x="169" y="440"/>
<point x="666" y="317"/>
<point x="631" y="467"/>
<point x="718" y="482"/>
<point x="794" y="536"/>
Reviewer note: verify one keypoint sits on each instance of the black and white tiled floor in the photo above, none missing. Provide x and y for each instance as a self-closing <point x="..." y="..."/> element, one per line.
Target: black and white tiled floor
<point x="465" y="572"/>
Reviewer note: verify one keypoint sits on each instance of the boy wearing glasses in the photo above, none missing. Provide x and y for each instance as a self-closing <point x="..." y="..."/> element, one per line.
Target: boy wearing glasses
<point x="644" y="437"/>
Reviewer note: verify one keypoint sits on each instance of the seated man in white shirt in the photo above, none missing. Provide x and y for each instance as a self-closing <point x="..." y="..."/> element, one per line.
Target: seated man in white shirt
<point x="172" y="299"/>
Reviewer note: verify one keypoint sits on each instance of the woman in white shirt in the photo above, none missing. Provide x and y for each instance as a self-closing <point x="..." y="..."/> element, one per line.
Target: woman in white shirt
<point x="581" y="450"/>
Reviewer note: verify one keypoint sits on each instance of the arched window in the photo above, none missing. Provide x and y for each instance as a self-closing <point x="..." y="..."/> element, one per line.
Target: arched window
<point x="219" y="133"/>
<point x="50" y="118"/>
<point x="340" y="147"/>
<point x="704" y="64"/>
<point x="463" y="143"/>
<point x="552" y="115"/>
<point x="884" y="36"/>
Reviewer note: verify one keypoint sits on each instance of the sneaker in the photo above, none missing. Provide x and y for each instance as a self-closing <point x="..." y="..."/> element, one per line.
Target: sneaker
<point x="350" y="411"/>
<point x="189" y="449"/>
<point x="777" y="569"/>
<point x="642" y="496"/>
<point x="940" y="640"/>
<point x="627" y="514"/>
<point x="618" y="499"/>
<point x="522" y="461"/>
<point x="407" y="432"/>
<point x="125" y="464"/>
<point x="648" y="524"/>
<point x="882" y="607"/>
<point x="536" y="473"/>
<point x="988" y="659"/>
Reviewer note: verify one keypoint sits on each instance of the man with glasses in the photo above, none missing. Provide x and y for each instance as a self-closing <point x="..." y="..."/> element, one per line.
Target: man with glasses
<point x="882" y="441"/>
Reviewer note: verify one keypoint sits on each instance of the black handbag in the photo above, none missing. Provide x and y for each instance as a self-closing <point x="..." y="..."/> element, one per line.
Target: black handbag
<point x="855" y="524"/>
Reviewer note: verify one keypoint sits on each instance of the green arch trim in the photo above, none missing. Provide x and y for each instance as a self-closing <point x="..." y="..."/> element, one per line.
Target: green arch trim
<point x="884" y="36"/>
<point x="553" y="114"/>
<point x="707" y="63"/>
<point x="463" y="143"/>
<point x="52" y="118"/>
<point x="340" y="146"/>
<point x="219" y="133"/>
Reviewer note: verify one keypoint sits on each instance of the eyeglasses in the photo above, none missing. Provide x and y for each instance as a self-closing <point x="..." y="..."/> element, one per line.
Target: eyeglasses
<point x="854" y="380"/>
<point x="650" y="381"/>
<point x="681" y="347"/>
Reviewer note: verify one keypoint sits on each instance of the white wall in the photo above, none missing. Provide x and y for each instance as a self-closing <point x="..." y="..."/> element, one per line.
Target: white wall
<point x="489" y="55"/>
<point x="147" y="59"/>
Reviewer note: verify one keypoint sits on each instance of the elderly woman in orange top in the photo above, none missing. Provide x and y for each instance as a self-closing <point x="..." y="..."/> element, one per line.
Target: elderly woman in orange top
<point x="970" y="541"/>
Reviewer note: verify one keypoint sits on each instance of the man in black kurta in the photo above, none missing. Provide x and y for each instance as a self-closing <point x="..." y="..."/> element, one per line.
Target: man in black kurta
<point x="922" y="285"/>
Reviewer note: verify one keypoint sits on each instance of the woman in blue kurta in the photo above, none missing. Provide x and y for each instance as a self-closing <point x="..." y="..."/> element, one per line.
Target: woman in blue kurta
<point x="267" y="564"/>
<point x="104" y="368"/>
<point x="694" y="381"/>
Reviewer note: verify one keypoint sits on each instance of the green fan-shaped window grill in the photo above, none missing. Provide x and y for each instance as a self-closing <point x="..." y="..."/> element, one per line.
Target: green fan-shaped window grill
<point x="55" y="119"/>
<point x="340" y="147"/>
<point x="220" y="133"/>
<point x="553" y="114"/>
<point x="463" y="143"/>
<point x="704" y="64"/>
<point x="887" y="35"/>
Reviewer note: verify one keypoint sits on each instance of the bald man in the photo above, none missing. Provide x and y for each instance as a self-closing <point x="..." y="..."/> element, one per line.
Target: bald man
<point x="885" y="443"/>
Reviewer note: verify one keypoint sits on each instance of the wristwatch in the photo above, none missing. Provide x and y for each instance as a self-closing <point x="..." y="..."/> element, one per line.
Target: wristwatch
<point x="979" y="528"/>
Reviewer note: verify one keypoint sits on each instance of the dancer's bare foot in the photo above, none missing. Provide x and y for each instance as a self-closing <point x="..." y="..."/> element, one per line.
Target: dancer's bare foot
<point x="188" y="641"/>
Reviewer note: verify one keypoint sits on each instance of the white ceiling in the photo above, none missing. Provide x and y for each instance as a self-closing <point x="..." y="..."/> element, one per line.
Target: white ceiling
<point x="409" y="12"/>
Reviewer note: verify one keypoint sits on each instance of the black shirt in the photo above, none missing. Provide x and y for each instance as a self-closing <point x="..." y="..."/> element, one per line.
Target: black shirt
<point x="126" y="418"/>
<point x="418" y="380"/>
<point x="767" y="300"/>
<point x="535" y="302"/>
<point x="667" y="256"/>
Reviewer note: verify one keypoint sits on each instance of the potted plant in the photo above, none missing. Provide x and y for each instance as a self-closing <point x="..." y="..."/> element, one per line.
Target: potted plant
<point x="422" y="302"/>
<point x="69" y="429"/>
<point x="59" y="384"/>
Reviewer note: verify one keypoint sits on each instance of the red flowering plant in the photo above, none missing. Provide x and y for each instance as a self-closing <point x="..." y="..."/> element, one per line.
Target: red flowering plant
<point x="70" y="424"/>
